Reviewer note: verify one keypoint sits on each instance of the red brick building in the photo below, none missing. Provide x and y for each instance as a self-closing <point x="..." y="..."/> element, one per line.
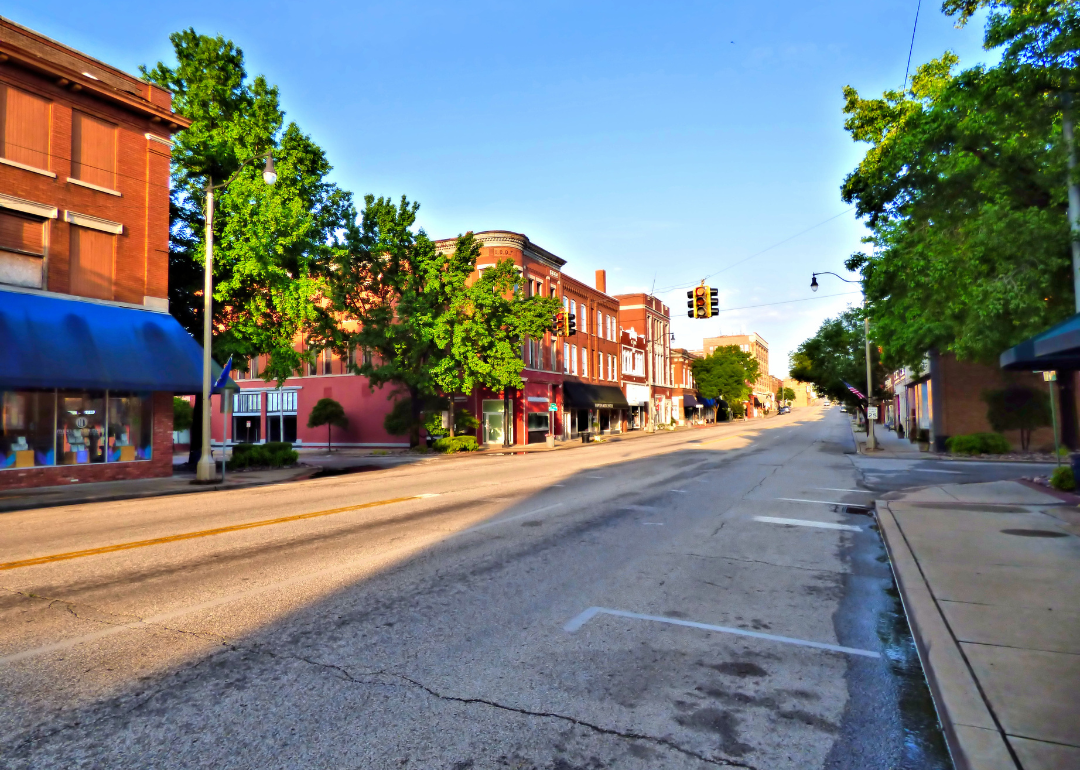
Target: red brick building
<point x="579" y="374"/>
<point x="687" y="407"/>
<point x="644" y="314"/>
<point x="90" y="356"/>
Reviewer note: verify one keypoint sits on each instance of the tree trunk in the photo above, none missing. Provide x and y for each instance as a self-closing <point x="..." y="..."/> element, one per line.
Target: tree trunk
<point x="329" y="445"/>
<point x="414" y="409"/>
<point x="453" y="415"/>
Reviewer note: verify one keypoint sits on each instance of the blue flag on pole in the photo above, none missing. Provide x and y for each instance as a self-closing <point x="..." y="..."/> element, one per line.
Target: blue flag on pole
<point x="224" y="378"/>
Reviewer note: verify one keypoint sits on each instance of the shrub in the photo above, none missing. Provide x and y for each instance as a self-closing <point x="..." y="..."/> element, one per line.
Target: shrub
<point x="978" y="444"/>
<point x="274" y="454"/>
<point x="182" y="414"/>
<point x="923" y="436"/>
<point x="1018" y="408"/>
<point x="1062" y="478"/>
<point x="456" y="444"/>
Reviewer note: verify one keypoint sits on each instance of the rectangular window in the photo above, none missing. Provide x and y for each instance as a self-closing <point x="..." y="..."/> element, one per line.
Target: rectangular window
<point x="131" y="427"/>
<point x="599" y="323"/>
<point x="93" y="150"/>
<point x="537" y="421"/>
<point x="22" y="249"/>
<point x="573" y="309"/>
<point x="91" y="267"/>
<point x="80" y="428"/>
<point x="328" y="361"/>
<point x="566" y="357"/>
<point x="584" y="362"/>
<point x="27" y="420"/>
<point x="583" y="319"/>
<point x="573" y="359"/>
<point x="24" y="127"/>
<point x="247" y="403"/>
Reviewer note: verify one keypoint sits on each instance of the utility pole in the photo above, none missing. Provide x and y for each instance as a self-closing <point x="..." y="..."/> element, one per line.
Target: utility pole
<point x="871" y="444"/>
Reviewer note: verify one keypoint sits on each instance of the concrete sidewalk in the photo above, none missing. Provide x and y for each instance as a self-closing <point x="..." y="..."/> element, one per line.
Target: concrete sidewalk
<point x="990" y="579"/>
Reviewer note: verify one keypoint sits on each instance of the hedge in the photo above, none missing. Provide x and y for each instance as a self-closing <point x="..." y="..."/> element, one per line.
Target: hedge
<point x="455" y="444"/>
<point x="272" y="454"/>
<point x="1063" y="479"/>
<point x="978" y="444"/>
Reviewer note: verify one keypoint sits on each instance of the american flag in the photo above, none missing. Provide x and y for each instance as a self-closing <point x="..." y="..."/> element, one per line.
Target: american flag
<point x="854" y="390"/>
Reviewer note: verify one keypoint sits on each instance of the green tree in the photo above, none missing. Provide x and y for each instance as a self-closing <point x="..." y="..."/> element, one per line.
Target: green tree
<point x="785" y="395"/>
<point x="270" y="241"/>
<point x="727" y="373"/>
<point x="182" y="413"/>
<point x="964" y="188"/>
<point x="1018" y="408"/>
<point x="330" y="413"/>
<point x="837" y="354"/>
<point x="479" y="335"/>
<point x="433" y="329"/>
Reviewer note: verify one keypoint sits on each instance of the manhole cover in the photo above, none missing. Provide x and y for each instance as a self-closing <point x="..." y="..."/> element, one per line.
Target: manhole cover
<point x="1033" y="533"/>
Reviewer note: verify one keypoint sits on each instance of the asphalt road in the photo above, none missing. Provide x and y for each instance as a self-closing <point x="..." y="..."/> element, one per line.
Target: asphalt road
<point x="668" y="602"/>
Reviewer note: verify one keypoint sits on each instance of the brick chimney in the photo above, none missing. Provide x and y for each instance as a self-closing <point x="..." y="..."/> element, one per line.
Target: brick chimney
<point x="601" y="281"/>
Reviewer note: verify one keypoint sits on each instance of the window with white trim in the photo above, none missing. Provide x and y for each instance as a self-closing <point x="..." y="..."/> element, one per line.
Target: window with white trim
<point x="566" y="357"/>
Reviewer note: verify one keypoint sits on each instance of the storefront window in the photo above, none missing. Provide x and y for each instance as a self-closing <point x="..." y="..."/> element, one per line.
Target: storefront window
<point x="131" y="427"/>
<point x="26" y="428"/>
<point x="80" y="429"/>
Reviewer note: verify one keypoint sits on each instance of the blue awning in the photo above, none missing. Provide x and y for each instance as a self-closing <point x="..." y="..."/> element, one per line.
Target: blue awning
<point x="1056" y="348"/>
<point x="49" y="342"/>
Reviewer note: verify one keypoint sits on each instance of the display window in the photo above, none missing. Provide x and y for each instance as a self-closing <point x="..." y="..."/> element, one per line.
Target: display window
<point x="50" y="427"/>
<point x="80" y="428"/>
<point x="26" y="428"/>
<point x="131" y="427"/>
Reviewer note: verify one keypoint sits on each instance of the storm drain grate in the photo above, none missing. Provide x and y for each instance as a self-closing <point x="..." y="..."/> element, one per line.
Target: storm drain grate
<point x="859" y="510"/>
<point x="1033" y="533"/>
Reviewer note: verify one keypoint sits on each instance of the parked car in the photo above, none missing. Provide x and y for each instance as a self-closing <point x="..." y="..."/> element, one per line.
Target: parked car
<point x="843" y="407"/>
<point x="784" y="410"/>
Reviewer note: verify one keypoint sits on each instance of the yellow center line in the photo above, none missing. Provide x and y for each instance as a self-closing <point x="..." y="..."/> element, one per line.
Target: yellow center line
<point x="201" y="533"/>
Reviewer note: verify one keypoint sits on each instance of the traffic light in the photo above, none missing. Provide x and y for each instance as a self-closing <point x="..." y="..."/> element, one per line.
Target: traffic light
<point x="557" y="324"/>
<point x="704" y="302"/>
<point x="571" y="324"/>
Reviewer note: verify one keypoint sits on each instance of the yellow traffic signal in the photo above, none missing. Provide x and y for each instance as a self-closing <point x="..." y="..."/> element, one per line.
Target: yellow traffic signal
<point x="701" y="302"/>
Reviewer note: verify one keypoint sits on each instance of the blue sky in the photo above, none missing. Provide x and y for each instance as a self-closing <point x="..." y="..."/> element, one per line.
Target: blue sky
<point x="661" y="141"/>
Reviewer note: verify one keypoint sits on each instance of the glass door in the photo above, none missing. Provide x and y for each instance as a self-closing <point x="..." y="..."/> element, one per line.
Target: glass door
<point x="493" y="421"/>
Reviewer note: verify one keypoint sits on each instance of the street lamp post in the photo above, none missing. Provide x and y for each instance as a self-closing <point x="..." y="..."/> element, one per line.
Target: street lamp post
<point x="206" y="471"/>
<point x="870" y="442"/>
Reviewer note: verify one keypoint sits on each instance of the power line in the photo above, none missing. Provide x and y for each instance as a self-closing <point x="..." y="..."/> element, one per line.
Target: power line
<point x="911" y="48"/>
<point x="759" y="253"/>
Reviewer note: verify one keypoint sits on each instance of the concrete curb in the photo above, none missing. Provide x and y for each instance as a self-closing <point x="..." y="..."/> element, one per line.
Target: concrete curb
<point x="973" y="736"/>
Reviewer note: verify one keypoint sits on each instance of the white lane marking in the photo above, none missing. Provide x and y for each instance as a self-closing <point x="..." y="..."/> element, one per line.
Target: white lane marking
<point x="479" y="527"/>
<point x="580" y="620"/>
<point x="558" y="485"/>
<point x="680" y="491"/>
<point x="595" y="477"/>
<point x="799" y="500"/>
<point x="931" y="470"/>
<point x="429" y="494"/>
<point x="836" y="489"/>
<point x="807" y="523"/>
<point x="652" y="524"/>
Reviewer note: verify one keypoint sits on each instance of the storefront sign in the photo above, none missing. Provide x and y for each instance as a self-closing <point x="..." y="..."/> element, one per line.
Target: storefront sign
<point x="553" y="407"/>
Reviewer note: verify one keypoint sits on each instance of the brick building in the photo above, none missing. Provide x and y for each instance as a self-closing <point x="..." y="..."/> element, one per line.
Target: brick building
<point x="634" y="381"/>
<point x="763" y="394"/>
<point x="686" y="404"/>
<point x="646" y="315"/>
<point x="804" y="392"/>
<point x="579" y="374"/>
<point x="90" y="356"/>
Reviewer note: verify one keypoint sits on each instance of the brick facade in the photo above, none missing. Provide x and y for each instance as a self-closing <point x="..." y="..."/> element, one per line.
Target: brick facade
<point x="126" y="208"/>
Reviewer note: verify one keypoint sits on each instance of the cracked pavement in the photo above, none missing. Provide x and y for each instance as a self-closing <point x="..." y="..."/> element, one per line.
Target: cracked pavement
<point x="429" y="633"/>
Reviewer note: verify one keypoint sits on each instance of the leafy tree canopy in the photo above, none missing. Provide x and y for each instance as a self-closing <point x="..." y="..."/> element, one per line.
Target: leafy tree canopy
<point x="726" y="373"/>
<point x="964" y="188"/>
<point x="269" y="241"/>
<point x="432" y="329"/>
<point x="837" y="353"/>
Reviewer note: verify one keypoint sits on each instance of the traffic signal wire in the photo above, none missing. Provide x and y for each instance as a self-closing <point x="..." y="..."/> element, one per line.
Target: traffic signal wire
<point x="787" y="301"/>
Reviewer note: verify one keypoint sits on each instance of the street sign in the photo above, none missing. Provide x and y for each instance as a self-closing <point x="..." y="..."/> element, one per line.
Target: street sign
<point x="553" y="407"/>
<point x="871" y="412"/>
